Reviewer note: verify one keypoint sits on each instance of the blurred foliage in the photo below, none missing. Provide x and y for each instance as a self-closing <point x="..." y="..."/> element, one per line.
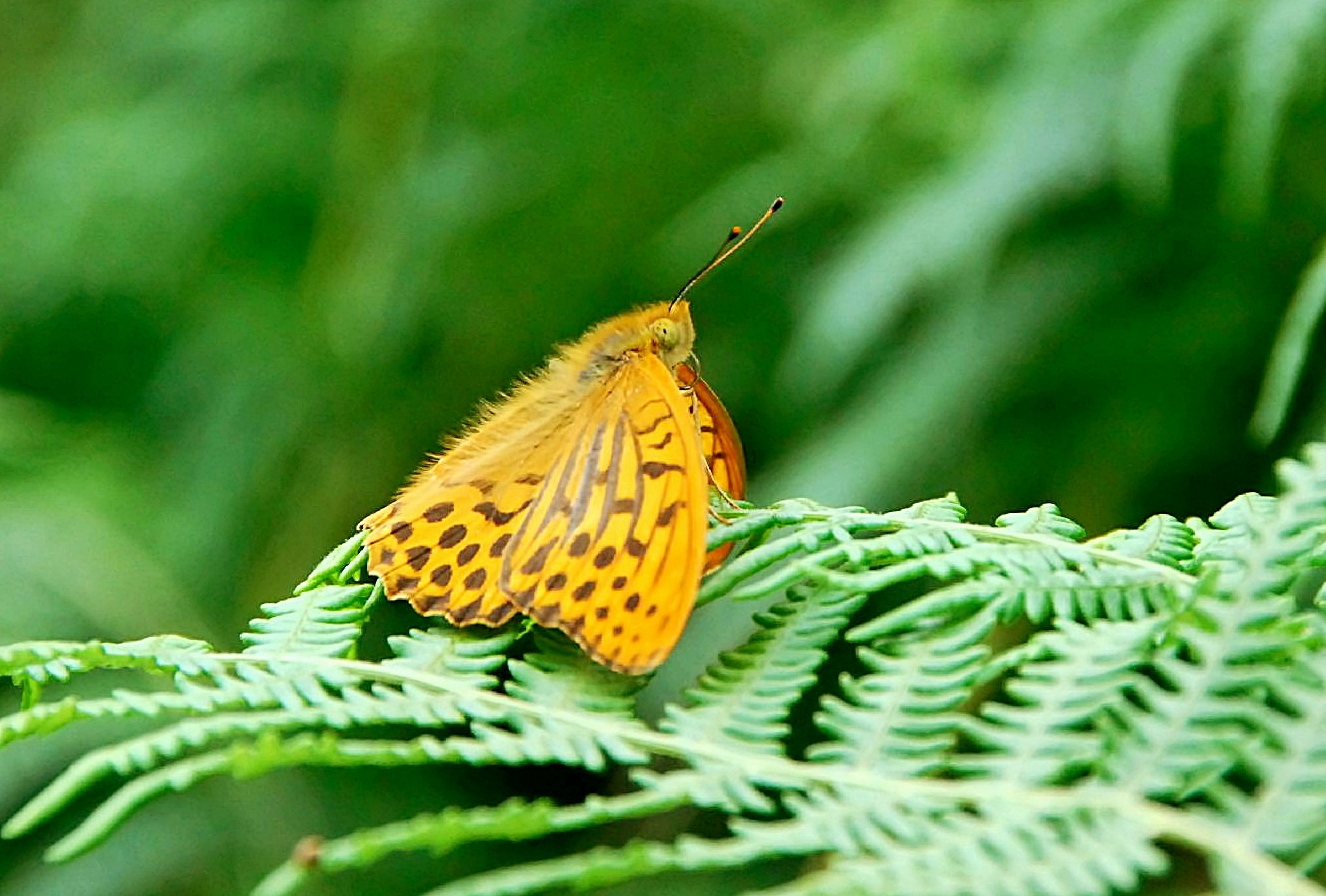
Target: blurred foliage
<point x="256" y="255"/>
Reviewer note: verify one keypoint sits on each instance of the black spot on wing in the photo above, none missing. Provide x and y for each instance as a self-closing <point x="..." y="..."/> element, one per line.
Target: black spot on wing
<point x="488" y="510"/>
<point x="466" y="613"/>
<point x="666" y="515"/>
<point x="417" y="556"/>
<point x="546" y="614"/>
<point x="438" y="512"/>
<point x="539" y="558"/>
<point x="433" y="604"/>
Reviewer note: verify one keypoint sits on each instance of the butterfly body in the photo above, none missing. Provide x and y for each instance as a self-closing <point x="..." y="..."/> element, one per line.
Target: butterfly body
<point x="580" y="499"/>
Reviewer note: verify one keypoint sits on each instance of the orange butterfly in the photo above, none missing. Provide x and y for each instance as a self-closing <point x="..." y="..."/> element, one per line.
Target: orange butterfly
<point x="580" y="499"/>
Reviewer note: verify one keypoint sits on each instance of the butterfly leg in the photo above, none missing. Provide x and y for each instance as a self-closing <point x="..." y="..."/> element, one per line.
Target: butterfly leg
<point x="714" y="514"/>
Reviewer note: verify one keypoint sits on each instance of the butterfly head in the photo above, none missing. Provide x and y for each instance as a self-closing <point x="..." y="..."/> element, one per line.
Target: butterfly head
<point x="671" y="332"/>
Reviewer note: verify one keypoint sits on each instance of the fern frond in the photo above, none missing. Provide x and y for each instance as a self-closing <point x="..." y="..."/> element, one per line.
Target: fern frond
<point x="326" y="614"/>
<point x="901" y="718"/>
<point x="1161" y="539"/>
<point x="743" y="699"/>
<point x="978" y="854"/>
<point x="468" y="655"/>
<point x="443" y="832"/>
<point x="1045" y="733"/>
<point x="1283" y="815"/>
<point x="238" y="759"/>
<point x="806" y="529"/>
<point x="1032" y="566"/>
<point x="602" y="866"/>
<point x="345" y="564"/>
<point x="33" y="663"/>
<point x="1204" y="707"/>
<point x="1043" y="520"/>
<point x="1175" y="697"/>
<point x="49" y="661"/>
<point x="560" y="678"/>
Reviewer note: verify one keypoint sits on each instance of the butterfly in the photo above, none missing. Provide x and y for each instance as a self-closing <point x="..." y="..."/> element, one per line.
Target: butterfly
<point x="581" y="498"/>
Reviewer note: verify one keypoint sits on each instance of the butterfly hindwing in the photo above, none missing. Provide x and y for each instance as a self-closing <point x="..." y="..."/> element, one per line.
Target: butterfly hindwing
<point x="611" y="547"/>
<point x="440" y="544"/>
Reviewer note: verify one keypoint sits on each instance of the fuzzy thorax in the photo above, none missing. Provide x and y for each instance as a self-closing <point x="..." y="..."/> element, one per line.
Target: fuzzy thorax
<point x="547" y="400"/>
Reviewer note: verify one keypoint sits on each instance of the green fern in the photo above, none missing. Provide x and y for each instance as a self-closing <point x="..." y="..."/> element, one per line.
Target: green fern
<point x="325" y="615"/>
<point x="1171" y="691"/>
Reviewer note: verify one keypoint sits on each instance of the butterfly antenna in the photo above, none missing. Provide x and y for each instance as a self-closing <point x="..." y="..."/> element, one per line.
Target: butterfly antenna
<point x="730" y="245"/>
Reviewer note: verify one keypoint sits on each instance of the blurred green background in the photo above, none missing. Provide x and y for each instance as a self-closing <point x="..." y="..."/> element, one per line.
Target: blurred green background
<point x="256" y="255"/>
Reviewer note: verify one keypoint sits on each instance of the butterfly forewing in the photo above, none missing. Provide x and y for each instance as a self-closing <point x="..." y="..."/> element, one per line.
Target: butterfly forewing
<point x="611" y="547"/>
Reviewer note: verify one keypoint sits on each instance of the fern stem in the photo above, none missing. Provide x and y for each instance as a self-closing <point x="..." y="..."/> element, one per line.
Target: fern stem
<point x="102" y="821"/>
<point x="1103" y="555"/>
<point x="1228" y="844"/>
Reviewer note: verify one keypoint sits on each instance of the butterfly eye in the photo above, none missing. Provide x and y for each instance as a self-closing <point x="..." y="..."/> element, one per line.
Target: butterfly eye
<point x="666" y="333"/>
